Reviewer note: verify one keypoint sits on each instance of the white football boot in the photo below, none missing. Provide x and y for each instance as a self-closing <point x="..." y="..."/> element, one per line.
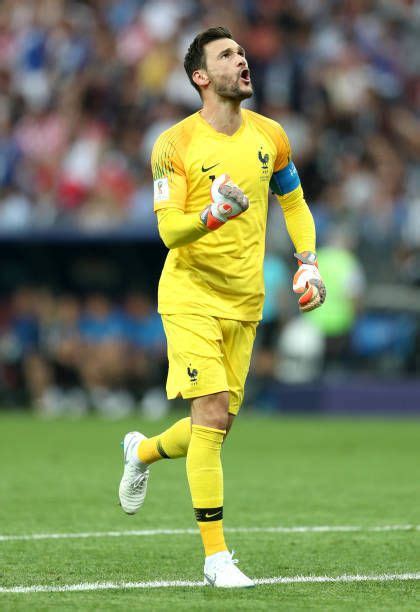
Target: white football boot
<point x="133" y="485"/>
<point x="220" y="571"/>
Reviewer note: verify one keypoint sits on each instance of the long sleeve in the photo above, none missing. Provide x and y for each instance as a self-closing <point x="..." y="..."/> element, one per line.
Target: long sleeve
<point x="299" y="220"/>
<point x="178" y="229"/>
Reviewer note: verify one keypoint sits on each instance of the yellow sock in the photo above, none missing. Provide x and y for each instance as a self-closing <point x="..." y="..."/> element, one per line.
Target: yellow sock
<point x="213" y="537"/>
<point x="170" y="444"/>
<point x="205" y="477"/>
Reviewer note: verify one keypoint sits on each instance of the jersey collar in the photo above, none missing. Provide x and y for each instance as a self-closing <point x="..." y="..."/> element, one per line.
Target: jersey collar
<point x="220" y="135"/>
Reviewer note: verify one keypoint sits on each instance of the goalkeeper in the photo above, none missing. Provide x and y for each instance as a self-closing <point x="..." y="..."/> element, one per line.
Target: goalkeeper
<point x="212" y="174"/>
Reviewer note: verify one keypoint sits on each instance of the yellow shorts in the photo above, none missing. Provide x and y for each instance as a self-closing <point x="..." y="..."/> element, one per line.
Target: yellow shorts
<point x="207" y="355"/>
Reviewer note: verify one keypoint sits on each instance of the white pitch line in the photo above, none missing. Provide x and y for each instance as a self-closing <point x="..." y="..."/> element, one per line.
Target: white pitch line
<point x="154" y="532"/>
<point x="103" y="586"/>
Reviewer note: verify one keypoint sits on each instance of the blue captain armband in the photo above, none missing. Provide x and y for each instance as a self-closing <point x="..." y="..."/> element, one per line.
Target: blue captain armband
<point x="285" y="180"/>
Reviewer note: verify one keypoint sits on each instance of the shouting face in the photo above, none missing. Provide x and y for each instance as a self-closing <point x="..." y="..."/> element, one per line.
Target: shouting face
<point x="226" y="72"/>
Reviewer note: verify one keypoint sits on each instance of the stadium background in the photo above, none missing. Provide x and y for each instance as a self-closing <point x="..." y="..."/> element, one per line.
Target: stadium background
<point x="86" y="87"/>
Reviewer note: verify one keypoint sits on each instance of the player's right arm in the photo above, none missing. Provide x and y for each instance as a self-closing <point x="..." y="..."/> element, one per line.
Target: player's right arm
<point x="177" y="228"/>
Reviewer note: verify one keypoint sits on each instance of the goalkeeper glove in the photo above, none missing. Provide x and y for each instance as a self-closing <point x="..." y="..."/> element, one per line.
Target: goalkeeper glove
<point x="228" y="202"/>
<point x="308" y="282"/>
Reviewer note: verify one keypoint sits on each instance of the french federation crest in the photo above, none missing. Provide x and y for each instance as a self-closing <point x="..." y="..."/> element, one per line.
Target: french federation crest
<point x="264" y="158"/>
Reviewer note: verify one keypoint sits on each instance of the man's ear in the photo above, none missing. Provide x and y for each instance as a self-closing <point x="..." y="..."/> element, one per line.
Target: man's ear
<point x="200" y="78"/>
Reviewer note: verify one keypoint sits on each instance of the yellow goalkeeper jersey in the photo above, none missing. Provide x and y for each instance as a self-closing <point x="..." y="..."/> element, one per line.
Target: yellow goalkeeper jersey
<point x="221" y="274"/>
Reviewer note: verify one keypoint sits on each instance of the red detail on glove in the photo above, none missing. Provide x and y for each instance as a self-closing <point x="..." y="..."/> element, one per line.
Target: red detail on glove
<point x="308" y="295"/>
<point x="212" y="223"/>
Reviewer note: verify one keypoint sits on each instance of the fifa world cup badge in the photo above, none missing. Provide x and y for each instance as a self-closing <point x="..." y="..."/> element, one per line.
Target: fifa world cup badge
<point x="161" y="189"/>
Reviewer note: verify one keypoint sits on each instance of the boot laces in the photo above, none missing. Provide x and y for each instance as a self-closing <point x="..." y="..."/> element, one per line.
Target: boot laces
<point x="229" y="560"/>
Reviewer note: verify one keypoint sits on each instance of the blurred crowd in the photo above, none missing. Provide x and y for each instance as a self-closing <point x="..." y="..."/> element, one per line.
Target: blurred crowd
<point x="68" y="354"/>
<point x="86" y="87"/>
<point x="65" y="354"/>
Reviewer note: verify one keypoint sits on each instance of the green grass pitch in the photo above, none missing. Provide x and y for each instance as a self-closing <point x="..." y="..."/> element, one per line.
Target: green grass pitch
<point x="62" y="477"/>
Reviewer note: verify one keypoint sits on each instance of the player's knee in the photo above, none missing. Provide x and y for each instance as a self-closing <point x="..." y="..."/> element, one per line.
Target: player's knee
<point x="219" y="421"/>
<point x="211" y="410"/>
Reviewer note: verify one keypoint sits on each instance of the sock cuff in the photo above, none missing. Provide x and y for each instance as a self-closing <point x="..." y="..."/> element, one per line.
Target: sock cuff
<point x="208" y="515"/>
<point x="161" y="450"/>
<point x="211" y="432"/>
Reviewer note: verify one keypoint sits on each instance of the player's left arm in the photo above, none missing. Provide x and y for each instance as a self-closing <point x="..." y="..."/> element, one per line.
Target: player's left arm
<point x="285" y="183"/>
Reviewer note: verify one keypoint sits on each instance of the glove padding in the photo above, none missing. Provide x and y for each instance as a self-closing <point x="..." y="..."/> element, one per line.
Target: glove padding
<point x="308" y="282"/>
<point x="228" y="202"/>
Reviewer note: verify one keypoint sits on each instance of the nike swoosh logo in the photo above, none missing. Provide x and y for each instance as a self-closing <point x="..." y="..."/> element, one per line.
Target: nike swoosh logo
<point x="211" y="580"/>
<point x="203" y="169"/>
<point x="207" y="515"/>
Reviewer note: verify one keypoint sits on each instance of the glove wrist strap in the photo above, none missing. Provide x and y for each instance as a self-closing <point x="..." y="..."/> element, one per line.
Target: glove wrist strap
<point x="307" y="257"/>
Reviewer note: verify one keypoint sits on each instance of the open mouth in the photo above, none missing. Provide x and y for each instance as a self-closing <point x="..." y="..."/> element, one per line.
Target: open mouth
<point x="245" y="76"/>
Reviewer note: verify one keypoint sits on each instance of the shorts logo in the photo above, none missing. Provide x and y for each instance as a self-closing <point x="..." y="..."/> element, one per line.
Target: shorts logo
<point x="193" y="374"/>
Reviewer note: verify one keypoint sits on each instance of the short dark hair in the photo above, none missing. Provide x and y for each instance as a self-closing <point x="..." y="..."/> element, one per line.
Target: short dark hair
<point x="195" y="57"/>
